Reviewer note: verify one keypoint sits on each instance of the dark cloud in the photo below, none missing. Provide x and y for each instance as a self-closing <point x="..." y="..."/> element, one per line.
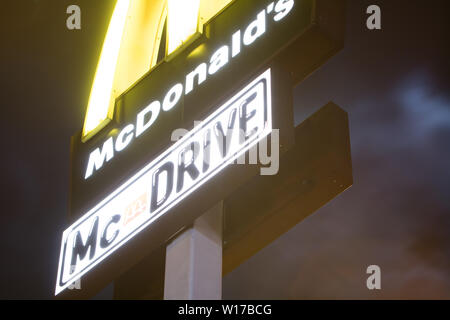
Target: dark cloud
<point x="397" y="213"/>
<point x="394" y="85"/>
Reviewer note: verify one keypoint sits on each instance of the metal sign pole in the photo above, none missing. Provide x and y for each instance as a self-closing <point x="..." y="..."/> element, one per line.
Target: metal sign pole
<point x="194" y="260"/>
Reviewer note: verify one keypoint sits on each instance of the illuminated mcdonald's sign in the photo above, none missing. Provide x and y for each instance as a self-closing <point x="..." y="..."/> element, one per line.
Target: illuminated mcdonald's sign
<point x="163" y="65"/>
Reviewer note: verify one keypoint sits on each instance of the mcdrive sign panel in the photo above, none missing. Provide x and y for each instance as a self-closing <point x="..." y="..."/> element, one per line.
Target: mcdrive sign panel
<point x="222" y="137"/>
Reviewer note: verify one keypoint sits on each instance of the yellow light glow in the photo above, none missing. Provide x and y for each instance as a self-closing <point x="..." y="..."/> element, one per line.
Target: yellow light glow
<point x="131" y="46"/>
<point x="209" y="8"/>
<point x="98" y="108"/>
<point x="140" y="42"/>
<point x="182" y="22"/>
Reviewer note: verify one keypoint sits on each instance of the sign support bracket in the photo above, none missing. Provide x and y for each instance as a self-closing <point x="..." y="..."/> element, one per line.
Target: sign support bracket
<point x="193" y="268"/>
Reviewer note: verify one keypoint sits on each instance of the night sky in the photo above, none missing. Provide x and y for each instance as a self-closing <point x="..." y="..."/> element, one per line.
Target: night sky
<point x="394" y="83"/>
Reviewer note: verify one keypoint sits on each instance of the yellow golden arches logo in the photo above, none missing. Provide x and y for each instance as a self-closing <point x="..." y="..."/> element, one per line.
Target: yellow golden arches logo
<point x="131" y="47"/>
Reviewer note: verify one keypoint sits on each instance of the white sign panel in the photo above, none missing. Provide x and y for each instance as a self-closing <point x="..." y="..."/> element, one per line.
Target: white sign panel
<point x="217" y="141"/>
